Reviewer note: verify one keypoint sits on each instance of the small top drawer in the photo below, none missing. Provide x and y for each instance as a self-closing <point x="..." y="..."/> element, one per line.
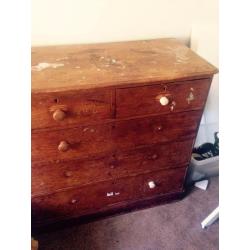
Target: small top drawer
<point x="71" y="107"/>
<point x="160" y="98"/>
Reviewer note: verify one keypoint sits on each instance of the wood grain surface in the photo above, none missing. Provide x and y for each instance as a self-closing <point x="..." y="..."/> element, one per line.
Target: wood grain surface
<point x="66" y="174"/>
<point x="87" y="141"/>
<point x="145" y="100"/>
<point x="87" y="200"/>
<point x="69" y="67"/>
<point x="79" y="107"/>
<point x="113" y="125"/>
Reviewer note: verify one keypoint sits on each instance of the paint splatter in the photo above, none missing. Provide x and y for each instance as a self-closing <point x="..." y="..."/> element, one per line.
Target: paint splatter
<point x="44" y="65"/>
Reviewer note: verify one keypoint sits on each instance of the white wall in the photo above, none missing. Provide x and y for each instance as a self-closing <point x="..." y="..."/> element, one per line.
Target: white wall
<point x="91" y="21"/>
<point x="204" y="40"/>
<point x="87" y="21"/>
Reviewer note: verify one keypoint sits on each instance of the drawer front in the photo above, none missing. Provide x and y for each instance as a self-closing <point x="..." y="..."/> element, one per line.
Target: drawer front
<point x="84" y="141"/>
<point x="157" y="129"/>
<point x="80" y="201"/>
<point x="65" y="108"/>
<point x="154" y="99"/>
<point x="82" y="172"/>
<point x="164" y="181"/>
<point x="70" y="143"/>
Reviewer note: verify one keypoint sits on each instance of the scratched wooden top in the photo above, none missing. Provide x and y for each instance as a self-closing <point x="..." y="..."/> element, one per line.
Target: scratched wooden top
<point x="56" y="68"/>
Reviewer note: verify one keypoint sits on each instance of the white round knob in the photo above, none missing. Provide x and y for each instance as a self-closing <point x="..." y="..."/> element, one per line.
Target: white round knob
<point x="151" y="184"/>
<point x="164" y="101"/>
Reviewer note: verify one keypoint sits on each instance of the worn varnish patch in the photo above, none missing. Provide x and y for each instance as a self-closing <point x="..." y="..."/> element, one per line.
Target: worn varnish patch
<point x="115" y="64"/>
<point x="45" y="65"/>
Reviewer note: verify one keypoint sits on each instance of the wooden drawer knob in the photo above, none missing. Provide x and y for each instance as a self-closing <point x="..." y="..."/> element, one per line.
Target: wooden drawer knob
<point x="63" y="146"/>
<point x="151" y="184"/>
<point x="59" y="115"/>
<point x="164" y="101"/>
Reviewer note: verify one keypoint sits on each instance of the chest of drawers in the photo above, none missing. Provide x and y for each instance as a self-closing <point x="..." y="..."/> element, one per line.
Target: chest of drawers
<point x="113" y="126"/>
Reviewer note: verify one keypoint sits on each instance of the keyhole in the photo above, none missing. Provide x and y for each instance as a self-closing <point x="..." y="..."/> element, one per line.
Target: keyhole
<point x="56" y="100"/>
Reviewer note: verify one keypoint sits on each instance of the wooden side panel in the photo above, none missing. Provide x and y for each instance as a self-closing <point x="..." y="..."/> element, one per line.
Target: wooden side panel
<point x="183" y="96"/>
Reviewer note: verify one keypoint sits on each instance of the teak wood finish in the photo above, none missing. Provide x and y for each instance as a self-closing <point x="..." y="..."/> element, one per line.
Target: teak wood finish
<point x="113" y="126"/>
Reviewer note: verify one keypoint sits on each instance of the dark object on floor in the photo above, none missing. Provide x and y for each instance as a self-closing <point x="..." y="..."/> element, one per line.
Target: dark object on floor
<point x="207" y="150"/>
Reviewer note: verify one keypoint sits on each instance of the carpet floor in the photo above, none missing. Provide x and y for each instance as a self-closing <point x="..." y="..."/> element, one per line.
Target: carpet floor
<point x="174" y="226"/>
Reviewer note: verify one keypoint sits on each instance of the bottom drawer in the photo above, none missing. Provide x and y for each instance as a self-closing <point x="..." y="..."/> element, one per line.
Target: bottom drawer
<point x="78" y="201"/>
<point x="89" y="199"/>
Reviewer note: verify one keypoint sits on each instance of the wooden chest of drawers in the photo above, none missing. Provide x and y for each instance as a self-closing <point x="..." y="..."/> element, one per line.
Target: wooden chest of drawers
<point x="113" y="125"/>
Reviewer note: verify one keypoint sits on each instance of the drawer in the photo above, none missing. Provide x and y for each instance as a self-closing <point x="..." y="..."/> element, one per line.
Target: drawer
<point x="156" y="129"/>
<point x="52" y="176"/>
<point x="121" y="135"/>
<point x="164" y="181"/>
<point x="72" y="107"/>
<point x="160" y="98"/>
<point x="77" y="202"/>
<point x="70" y="143"/>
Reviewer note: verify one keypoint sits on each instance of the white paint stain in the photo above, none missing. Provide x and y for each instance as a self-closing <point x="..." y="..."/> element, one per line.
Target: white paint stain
<point x="172" y="106"/>
<point x="45" y="65"/>
<point x="85" y="129"/>
<point x="106" y="62"/>
<point x="190" y="97"/>
<point x="77" y="67"/>
<point x="61" y="59"/>
<point x="112" y="194"/>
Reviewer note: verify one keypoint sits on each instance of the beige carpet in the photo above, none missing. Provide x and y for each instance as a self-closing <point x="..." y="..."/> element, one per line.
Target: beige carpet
<point x="174" y="226"/>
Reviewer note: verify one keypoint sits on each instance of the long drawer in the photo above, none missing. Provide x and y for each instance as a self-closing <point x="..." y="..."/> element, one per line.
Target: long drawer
<point x="158" y="129"/>
<point x="60" y="109"/>
<point x="88" y="199"/>
<point x="76" y="202"/>
<point x="90" y="140"/>
<point x="51" y="176"/>
<point x="161" y="98"/>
